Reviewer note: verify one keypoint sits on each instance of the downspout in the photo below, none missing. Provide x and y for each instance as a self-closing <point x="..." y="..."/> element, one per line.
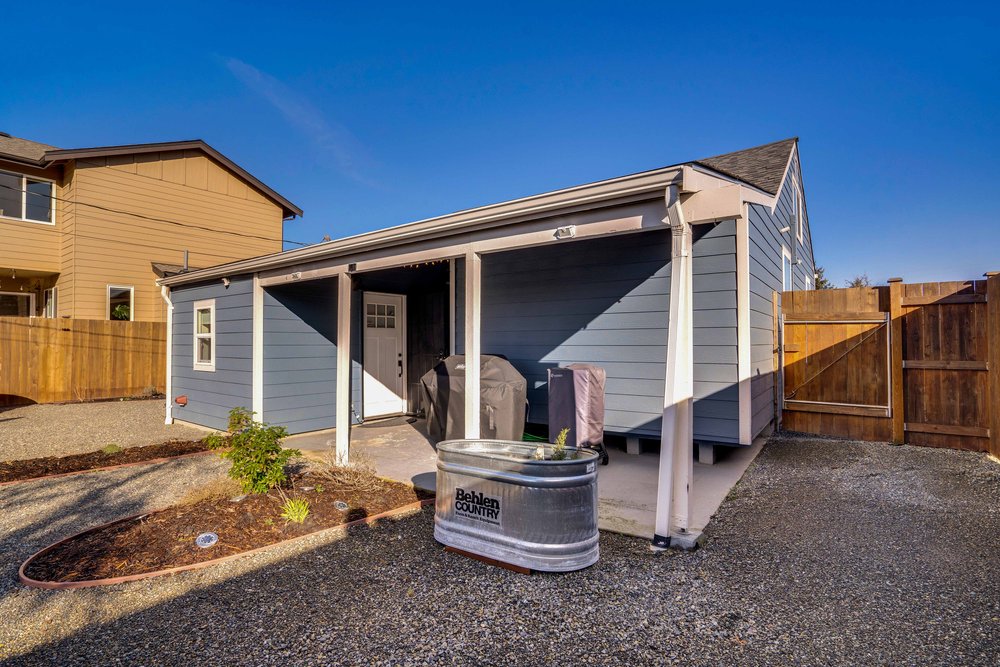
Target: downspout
<point x="676" y="466"/>
<point x="165" y="295"/>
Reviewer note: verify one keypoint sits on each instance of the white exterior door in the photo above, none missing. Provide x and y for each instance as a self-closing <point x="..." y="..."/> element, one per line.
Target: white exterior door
<point x="385" y="354"/>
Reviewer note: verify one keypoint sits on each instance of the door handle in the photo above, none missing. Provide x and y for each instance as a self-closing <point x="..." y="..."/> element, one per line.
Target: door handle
<point x="400" y="362"/>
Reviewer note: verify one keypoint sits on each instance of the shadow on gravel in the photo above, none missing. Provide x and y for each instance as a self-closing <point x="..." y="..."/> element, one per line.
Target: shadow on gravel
<point x="829" y="553"/>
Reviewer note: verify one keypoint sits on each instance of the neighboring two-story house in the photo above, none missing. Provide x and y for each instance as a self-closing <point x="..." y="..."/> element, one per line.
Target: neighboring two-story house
<point x="85" y="233"/>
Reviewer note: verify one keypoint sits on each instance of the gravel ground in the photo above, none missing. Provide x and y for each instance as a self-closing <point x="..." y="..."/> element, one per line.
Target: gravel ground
<point x="31" y="431"/>
<point x="826" y="553"/>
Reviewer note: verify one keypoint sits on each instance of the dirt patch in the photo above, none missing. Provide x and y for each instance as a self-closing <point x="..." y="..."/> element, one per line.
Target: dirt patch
<point x="12" y="471"/>
<point x="166" y="539"/>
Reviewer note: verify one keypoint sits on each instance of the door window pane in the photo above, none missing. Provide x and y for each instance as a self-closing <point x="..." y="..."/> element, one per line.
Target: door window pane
<point x="38" y="201"/>
<point x="10" y="195"/>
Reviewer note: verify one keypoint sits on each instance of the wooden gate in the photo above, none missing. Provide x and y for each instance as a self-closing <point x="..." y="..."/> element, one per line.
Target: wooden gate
<point x="916" y="363"/>
<point x="836" y="357"/>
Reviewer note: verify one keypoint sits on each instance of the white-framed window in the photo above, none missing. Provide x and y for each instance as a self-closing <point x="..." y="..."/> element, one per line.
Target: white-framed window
<point x="17" y="304"/>
<point x="786" y="269"/>
<point x="121" y="302"/>
<point x="50" y="305"/>
<point x="204" y="335"/>
<point x="27" y="198"/>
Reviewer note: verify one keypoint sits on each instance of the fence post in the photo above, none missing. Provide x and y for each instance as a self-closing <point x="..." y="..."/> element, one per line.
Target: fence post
<point x="897" y="385"/>
<point x="993" y="357"/>
<point x="776" y="350"/>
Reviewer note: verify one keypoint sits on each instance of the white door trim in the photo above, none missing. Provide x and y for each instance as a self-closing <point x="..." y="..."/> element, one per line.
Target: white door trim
<point x="401" y="328"/>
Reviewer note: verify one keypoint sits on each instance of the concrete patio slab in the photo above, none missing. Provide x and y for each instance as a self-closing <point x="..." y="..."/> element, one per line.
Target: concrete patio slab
<point x="400" y="449"/>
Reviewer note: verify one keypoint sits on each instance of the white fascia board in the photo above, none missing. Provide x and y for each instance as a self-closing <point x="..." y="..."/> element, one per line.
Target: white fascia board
<point x="624" y="219"/>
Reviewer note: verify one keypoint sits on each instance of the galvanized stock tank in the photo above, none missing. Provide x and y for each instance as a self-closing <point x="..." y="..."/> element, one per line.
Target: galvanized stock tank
<point x="495" y="500"/>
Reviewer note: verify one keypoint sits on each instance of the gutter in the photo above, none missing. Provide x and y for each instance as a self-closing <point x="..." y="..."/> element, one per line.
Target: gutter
<point x="168" y="417"/>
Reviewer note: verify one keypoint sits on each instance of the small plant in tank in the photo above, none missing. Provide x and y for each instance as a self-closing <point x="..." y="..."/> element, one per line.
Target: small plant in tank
<point x="258" y="459"/>
<point x="558" y="452"/>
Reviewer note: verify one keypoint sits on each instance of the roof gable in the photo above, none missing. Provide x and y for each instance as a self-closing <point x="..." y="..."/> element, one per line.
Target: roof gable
<point x="43" y="155"/>
<point x="762" y="166"/>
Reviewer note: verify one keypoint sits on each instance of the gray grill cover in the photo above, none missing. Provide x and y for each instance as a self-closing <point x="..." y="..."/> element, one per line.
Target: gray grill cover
<point x="576" y="402"/>
<point x="504" y="399"/>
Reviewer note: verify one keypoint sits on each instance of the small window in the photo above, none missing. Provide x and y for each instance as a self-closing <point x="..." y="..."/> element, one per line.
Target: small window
<point x="786" y="270"/>
<point x="17" y="304"/>
<point x="23" y="198"/>
<point x="50" y="304"/>
<point x="204" y="335"/>
<point x="121" y="302"/>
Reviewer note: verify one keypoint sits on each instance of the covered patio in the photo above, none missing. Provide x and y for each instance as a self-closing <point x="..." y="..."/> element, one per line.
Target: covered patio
<point x="400" y="449"/>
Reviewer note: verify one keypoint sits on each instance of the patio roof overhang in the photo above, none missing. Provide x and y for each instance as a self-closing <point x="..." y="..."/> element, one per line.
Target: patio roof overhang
<point x="674" y="198"/>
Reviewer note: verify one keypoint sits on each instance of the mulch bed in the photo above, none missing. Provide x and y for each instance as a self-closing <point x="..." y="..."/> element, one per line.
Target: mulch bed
<point x="12" y="471"/>
<point x="166" y="539"/>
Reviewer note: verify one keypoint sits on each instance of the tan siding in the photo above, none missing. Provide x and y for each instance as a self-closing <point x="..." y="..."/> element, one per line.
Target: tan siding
<point x="115" y="247"/>
<point x="30" y="245"/>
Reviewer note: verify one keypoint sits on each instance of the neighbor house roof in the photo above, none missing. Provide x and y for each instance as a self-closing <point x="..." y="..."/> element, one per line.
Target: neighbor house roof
<point x="22" y="150"/>
<point x="756" y="167"/>
<point x="760" y="166"/>
<point x="165" y="270"/>
<point x="42" y="155"/>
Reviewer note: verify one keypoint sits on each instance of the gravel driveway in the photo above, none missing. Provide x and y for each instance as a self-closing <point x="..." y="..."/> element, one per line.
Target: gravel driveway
<point x="30" y="431"/>
<point x="826" y="553"/>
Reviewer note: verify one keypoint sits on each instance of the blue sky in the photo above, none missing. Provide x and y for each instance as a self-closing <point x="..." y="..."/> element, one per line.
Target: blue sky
<point x="375" y="115"/>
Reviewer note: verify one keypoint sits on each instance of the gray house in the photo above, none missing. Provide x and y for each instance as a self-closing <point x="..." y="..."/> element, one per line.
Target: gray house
<point x="665" y="278"/>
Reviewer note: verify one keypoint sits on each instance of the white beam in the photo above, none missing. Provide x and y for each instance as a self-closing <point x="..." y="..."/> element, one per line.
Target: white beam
<point x="258" y="349"/>
<point x="744" y="349"/>
<point x="343" y="432"/>
<point x="473" y="288"/>
<point x="676" y="467"/>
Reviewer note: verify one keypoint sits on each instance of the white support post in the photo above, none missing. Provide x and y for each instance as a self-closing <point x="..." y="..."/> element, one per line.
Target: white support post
<point x="744" y="349"/>
<point x="258" y="349"/>
<point x="343" y="432"/>
<point x="677" y="435"/>
<point x="473" y="288"/>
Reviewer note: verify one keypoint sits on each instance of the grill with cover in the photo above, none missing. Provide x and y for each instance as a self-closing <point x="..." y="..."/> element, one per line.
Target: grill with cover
<point x="504" y="399"/>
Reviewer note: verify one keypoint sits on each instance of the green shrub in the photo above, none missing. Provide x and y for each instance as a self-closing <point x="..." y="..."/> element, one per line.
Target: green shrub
<point x="295" y="510"/>
<point x="258" y="460"/>
<point x="111" y="449"/>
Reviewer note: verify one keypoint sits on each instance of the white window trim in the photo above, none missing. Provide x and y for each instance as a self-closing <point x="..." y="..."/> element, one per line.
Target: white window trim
<point x="131" y="301"/>
<point x="31" y="300"/>
<point x="786" y="253"/>
<point x="208" y="304"/>
<point x="24" y="199"/>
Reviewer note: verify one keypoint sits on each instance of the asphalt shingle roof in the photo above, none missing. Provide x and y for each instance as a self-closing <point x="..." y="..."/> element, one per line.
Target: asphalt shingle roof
<point x="761" y="166"/>
<point x="22" y="148"/>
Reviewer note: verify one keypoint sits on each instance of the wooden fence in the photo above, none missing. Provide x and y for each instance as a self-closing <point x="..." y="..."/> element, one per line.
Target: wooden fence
<point x="915" y="363"/>
<point x="56" y="360"/>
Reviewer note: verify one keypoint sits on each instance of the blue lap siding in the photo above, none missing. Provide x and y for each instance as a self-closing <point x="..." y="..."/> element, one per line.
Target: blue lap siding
<point x="212" y="394"/>
<point x="300" y="359"/>
<point x="607" y="302"/>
